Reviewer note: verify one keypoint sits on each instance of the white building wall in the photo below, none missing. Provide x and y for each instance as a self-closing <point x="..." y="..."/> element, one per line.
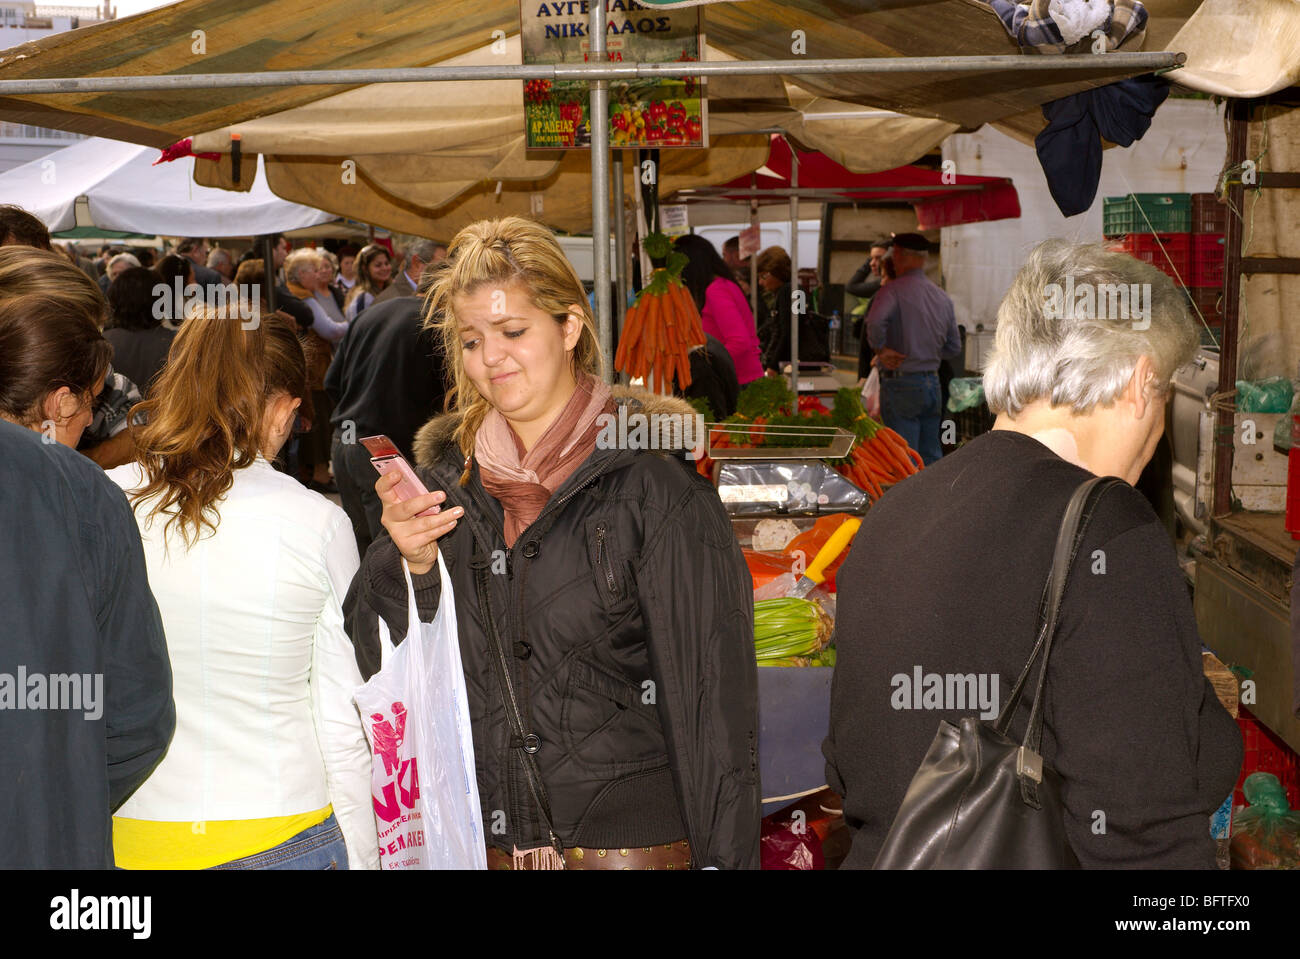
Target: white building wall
<point x="1183" y="152"/>
<point x="22" y="21"/>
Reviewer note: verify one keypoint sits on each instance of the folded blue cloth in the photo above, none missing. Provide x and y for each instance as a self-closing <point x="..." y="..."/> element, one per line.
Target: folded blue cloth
<point x="1069" y="148"/>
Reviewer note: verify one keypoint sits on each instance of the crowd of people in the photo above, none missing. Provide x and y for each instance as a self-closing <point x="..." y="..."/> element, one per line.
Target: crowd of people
<point x="216" y="614"/>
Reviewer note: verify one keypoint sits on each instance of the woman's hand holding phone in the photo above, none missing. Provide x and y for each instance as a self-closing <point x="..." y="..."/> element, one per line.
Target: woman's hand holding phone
<point x="416" y="537"/>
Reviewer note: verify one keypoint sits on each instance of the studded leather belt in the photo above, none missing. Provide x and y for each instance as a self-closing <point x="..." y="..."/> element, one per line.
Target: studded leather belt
<point x="673" y="855"/>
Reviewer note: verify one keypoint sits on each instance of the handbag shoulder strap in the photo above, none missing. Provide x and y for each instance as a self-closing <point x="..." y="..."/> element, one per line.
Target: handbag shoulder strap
<point x="526" y="744"/>
<point x="1068" y="540"/>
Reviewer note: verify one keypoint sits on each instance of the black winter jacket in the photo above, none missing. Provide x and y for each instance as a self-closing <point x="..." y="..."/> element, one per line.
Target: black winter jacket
<point x="626" y="613"/>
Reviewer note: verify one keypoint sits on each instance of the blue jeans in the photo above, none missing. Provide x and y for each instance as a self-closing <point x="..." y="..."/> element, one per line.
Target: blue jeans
<point x="910" y="406"/>
<point x="320" y="847"/>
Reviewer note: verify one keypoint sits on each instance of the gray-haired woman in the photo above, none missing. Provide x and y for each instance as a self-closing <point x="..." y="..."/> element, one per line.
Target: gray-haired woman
<point x="947" y="574"/>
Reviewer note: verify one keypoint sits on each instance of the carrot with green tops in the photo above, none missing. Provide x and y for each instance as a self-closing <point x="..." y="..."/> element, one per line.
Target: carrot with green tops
<point x="883" y="446"/>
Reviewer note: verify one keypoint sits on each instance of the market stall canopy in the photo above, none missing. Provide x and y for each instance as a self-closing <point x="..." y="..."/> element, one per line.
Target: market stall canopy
<point x="426" y="157"/>
<point x="940" y="198"/>
<point x="125" y="192"/>
<point x="228" y="36"/>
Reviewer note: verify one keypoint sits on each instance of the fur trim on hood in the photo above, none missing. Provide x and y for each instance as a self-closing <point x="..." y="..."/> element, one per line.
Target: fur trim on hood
<point x="435" y="436"/>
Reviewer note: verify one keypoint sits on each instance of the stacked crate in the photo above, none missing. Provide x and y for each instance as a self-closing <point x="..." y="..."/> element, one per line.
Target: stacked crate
<point x="1209" y="224"/>
<point x="1180" y="234"/>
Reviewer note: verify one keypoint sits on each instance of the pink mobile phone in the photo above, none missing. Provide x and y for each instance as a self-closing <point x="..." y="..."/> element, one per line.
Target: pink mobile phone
<point x="386" y="457"/>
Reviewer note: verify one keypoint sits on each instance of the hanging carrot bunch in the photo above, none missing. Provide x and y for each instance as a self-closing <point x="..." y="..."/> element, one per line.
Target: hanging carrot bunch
<point x="663" y="326"/>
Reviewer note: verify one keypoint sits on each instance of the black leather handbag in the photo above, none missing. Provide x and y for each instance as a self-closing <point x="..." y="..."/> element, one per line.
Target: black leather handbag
<point x="980" y="800"/>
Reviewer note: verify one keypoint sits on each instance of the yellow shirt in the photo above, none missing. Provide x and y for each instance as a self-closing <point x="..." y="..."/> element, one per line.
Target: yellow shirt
<point x="146" y="844"/>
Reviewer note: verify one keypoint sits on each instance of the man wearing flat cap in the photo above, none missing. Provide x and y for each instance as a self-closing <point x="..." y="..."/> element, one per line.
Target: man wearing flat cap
<point x="912" y="327"/>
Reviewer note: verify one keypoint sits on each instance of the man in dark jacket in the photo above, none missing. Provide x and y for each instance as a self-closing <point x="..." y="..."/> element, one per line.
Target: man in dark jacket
<point x="86" y="707"/>
<point x="386" y="377"/>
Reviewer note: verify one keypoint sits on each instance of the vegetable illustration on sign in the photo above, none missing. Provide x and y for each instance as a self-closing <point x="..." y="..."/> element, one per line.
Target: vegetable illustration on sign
<point x="643" y="112"/>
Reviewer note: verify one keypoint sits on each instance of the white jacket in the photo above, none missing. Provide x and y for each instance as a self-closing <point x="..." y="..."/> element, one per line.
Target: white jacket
<point x="264" y="673"/>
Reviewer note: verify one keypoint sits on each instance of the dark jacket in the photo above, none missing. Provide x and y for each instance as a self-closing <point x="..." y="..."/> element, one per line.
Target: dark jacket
<point x="1131" y="724"/>
<point x="77" y="606"/>
<point x="626" y="613"/>
<point x="713" y="378"/>
<point x="139" y="355"/>
<point x="286" y="302"/>
<point x="774" y="334"/>
<point x="864" y="283"/>
<point x="387" y="373"/>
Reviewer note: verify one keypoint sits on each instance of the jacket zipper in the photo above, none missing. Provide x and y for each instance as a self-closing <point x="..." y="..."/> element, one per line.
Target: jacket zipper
<point x="601" y="559"/>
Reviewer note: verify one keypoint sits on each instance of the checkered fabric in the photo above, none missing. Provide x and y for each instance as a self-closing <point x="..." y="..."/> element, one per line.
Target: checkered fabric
<point x="1031" y="25"/>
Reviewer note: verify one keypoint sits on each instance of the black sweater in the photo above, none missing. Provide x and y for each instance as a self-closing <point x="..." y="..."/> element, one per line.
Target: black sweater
<point x="947" y="573"/>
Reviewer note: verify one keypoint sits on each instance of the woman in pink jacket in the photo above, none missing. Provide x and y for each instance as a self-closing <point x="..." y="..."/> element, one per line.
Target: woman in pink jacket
<point x="722" y="305"/>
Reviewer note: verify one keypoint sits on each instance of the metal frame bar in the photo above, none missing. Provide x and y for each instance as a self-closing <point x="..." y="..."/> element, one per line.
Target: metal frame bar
<point x="594" y="71"/>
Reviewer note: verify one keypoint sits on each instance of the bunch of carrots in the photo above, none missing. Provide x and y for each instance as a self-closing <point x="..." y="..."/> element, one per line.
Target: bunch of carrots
<point x="658" y="334"/>
<point x="880" y="457"/>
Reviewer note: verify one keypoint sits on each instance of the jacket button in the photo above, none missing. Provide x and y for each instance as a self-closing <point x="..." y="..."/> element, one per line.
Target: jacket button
<point x="523" y="650"/>
<point x="531" y="549"/>
<point x="532" y="743"/>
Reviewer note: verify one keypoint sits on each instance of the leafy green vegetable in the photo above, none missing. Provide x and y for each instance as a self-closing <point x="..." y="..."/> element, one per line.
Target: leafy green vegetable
<point x="703" y="407"/>
<point x="657" y="245"/>
<point x="766" y="396"/>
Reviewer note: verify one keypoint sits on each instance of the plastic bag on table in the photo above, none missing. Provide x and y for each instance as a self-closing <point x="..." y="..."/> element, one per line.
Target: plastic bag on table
<point x="786" y="488"/>
<point x="964" y="393"/>
<point x="790" y="845"/>
<point x="810" y="542"/>
<point x="416" y="716"/>
<point x="1272" y="395"/>
<point x="1266" y="835"/>
<point x="871" y="394"/>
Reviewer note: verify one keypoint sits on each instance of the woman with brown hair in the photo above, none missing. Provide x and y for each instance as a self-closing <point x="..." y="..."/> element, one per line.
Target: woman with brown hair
<point x="249" y="570"/>
<point x="374" y="271"/>
<point x="53" y="357"/>
<point x="604" y="608"/>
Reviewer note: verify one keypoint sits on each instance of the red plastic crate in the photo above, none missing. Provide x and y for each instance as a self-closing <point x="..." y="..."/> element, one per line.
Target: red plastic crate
<point x="1207" y="260"/>
<point x="1208" y="214"/>
<point x="1265" y="753"/>
<point x="1170" y="253"/>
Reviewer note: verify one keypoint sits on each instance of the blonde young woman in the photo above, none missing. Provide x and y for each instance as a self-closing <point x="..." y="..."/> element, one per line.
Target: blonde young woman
<point x="599" y="589"/>
<point x="374" y="272"/>
<point x="269" y="767"/>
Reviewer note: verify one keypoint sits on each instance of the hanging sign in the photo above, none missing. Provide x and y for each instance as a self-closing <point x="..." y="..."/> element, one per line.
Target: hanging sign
<point x="673" y="220"/>
<point x="643" y="112"/>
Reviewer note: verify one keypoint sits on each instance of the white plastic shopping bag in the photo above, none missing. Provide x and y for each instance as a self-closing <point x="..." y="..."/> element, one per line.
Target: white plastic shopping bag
<point x="871" y="394"/>
<point x="416" y="716"/>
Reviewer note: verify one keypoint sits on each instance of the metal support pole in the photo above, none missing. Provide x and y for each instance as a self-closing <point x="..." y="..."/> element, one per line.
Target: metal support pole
<point x="268" y="271"/>
<point x="795" y="298"/>
<point x="600" y="189"/>
<point x="620" y="242"/>
<point x="1225" y="424"/>
<point x="753" y="257"/>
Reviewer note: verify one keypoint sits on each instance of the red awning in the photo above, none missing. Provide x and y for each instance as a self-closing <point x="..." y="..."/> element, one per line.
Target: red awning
<point x="939" y="198"/>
